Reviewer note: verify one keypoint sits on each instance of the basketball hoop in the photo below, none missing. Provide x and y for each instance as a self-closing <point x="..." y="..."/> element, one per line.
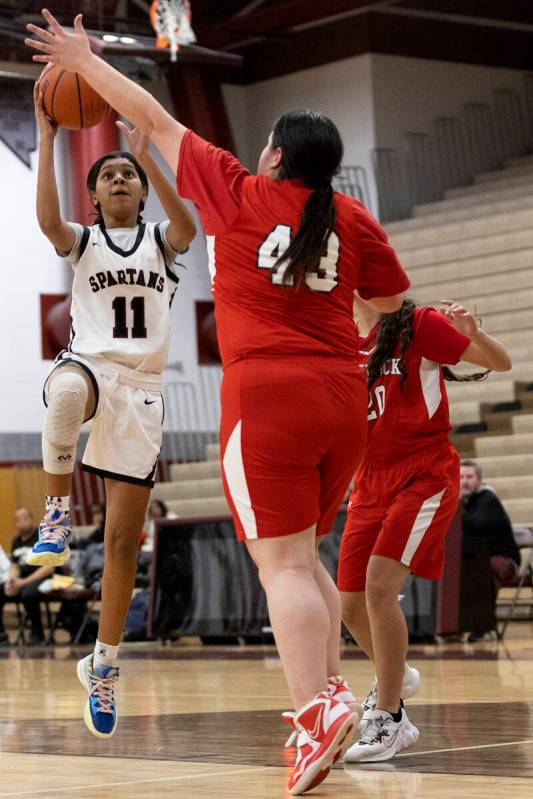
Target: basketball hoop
<point x="171" y="20"/>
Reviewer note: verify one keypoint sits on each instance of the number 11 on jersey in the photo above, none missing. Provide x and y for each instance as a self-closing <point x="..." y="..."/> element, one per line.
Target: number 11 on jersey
<point x="120" y="328"/>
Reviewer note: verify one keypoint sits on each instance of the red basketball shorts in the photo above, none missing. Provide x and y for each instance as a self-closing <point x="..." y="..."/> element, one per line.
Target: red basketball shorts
<point x="401" y="512"/>
<point x="292" y="434"/>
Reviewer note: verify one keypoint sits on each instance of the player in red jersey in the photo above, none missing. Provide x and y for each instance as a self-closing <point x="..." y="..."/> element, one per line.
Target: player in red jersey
<point x="406" y="494"/>
<point x="286" y="254"/>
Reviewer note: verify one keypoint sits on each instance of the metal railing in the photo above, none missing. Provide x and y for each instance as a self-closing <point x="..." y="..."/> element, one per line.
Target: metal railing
<point x="454" y="152"/>
<point x="352" y="180"/>
<point x="391" y="183"/>
<point x="192" y="416"/>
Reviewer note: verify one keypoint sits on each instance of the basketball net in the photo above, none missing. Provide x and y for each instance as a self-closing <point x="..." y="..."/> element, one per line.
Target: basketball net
<point x="171" y="20"/>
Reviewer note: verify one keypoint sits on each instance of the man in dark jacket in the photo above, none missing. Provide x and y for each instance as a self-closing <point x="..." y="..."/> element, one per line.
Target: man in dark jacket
<point x="485" y="516"/>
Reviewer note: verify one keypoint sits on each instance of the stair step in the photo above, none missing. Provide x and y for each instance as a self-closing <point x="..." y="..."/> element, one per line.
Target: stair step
<point x="195" y="471"/>
<point x="499" y="262"/>
<point x="212" y="452"/>
<point x="506" y="465"/>
<point x="462" y="229"/>
<point x="188" y="489"/>
<point x="484" y="391"/>
<point x="523" y="423"/>
<point x="517" y="181"/>
<point x="472" y="287"/>
<point x="199" y="508"/>
<point x="504" y="445"/>
<point x="480" y="246"/>
<point x="527" y="160"/>
<point x="467" y="412"/>
<point x="473" y="201"/>
<point x="516" y="487"/>
<point x="518" y="170"/>
<point x="452" y="214"/>
<point x="519" y="510"/>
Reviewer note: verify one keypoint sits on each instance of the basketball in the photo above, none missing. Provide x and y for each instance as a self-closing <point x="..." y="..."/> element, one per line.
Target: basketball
<point x="69" y="100"/>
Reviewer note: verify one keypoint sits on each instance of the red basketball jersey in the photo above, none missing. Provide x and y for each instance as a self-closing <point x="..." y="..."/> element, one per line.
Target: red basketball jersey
<point x="249" y="221"/>
<point x="405" y="419"/>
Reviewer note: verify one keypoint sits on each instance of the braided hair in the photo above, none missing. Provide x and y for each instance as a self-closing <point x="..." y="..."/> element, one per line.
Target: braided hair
<point x="94" y="171"/>
<point x="397" y="328"/>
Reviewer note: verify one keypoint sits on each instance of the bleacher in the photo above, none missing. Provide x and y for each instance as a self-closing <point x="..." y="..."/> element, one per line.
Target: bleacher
<point x="475" y="246"/>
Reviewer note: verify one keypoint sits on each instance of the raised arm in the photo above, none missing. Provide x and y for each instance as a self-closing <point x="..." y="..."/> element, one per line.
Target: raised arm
<point x="483" y="350"/>
<point x="49" y="216"/>
<point x="181" y="230"/>
<point x="72" y="51"/>
<point x="387" y="304"/>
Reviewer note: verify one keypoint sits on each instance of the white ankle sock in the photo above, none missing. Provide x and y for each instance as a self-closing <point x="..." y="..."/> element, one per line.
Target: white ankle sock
<point x="59" y="503"/>
<point x="104" y="655"/>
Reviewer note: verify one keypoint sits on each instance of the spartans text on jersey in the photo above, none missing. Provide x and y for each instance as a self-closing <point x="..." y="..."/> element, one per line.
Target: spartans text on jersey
<point x="126" y="277"/>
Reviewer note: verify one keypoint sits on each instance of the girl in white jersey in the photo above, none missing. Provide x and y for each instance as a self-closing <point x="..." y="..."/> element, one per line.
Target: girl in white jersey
<point x="123" y="287"/>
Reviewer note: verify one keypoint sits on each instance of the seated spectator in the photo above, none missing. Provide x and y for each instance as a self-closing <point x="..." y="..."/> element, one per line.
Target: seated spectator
<point x="156" y="510"/>
<point x="98" y="519"/>
<point x="24" y="580"/>
<point x="484" y="516"/>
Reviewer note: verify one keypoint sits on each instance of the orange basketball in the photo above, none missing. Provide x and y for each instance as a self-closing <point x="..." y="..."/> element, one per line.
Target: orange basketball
<point x="69" y="100"/>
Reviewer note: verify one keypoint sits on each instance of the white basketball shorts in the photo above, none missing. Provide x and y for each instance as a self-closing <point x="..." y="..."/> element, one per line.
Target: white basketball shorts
<point x="127" y="426"/>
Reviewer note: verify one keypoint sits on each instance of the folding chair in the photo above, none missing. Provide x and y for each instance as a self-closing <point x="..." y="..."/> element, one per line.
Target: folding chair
<point x="523" y="535"/>
<point x="88" y="595"/>
<point x="22" y="619"/>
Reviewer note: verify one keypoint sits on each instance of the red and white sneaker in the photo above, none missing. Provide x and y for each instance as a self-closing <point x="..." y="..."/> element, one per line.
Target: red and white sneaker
<point x="326" y="728"/>
<point x="288" y="717"/>
<point x="339" y="690"/>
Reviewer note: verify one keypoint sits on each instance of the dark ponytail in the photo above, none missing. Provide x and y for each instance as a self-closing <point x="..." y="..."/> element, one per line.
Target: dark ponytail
<point x="397" y="328"/>
<point x="94" y="171"/>
<point x="393" y="328"/>
<point x="452" y="377"/>
<point x="312" y="151"/>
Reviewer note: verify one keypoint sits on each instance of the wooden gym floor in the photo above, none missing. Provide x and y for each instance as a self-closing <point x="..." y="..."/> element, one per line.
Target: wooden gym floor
<point x="204" y="722"/>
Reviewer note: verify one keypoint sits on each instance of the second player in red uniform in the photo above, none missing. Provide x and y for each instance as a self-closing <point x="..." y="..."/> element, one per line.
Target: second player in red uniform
<point x="406" y="494"/>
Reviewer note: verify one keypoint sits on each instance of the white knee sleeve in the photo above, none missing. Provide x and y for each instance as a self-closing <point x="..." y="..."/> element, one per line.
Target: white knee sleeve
<point x="67" y="398"/>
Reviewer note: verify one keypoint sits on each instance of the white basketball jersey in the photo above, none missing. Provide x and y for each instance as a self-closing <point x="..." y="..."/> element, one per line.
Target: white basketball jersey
<point x="121" y="298"/>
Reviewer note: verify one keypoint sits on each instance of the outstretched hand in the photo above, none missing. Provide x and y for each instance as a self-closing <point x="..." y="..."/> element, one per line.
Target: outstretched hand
<point x="46" y="127"/>
<point x="460" y="317"/>
<point x="68" y="50"/>
<point x="138" y="142"/>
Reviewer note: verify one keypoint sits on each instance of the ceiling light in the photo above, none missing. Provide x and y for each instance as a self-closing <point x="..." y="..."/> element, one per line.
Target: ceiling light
<point x="109" y="37"/>
<point x="127" y="40"/>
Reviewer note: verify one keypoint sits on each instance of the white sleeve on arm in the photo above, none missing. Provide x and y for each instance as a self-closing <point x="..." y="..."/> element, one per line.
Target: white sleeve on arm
<point x="170" y="253"/>
<point x="73" y="256"/>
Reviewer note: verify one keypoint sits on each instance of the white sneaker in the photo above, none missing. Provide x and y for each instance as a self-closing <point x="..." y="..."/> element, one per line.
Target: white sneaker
<point x="411" y="682"/>
<point x="382" y="738"/>
<point x="410" y="685"/>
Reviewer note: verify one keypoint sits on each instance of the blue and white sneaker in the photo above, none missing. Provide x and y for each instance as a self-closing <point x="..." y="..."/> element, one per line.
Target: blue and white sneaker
<point x="100" y="714"/>
<point x="52" y="548"/>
